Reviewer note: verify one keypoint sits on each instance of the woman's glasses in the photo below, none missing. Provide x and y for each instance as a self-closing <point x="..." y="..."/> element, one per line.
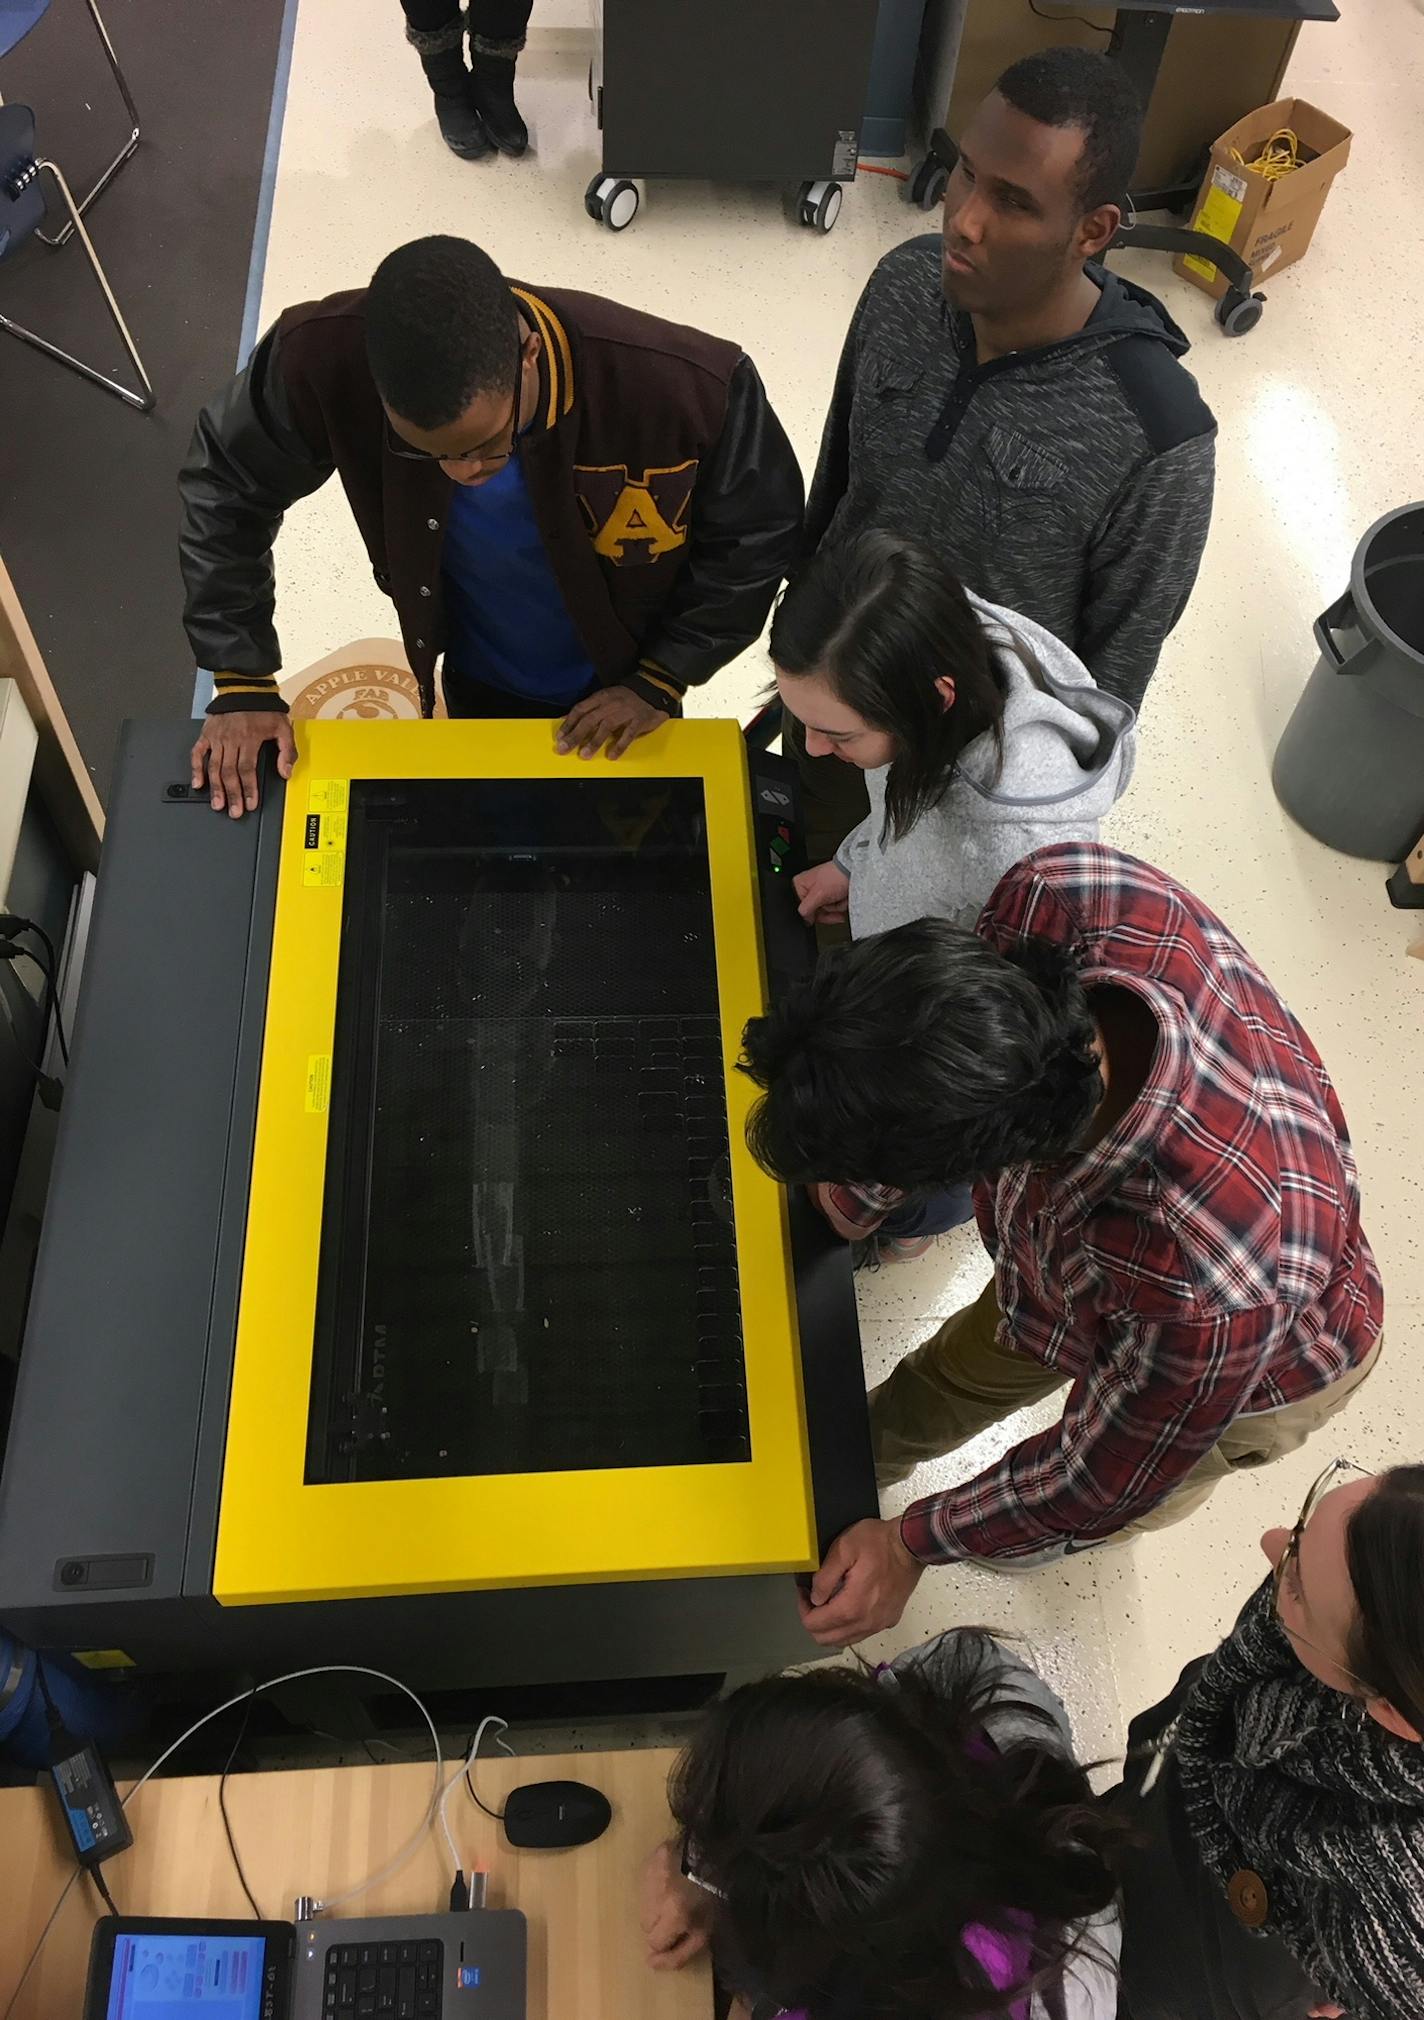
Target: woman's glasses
<point x="690" y="1864"/>
<point x="1290" y="1556"/>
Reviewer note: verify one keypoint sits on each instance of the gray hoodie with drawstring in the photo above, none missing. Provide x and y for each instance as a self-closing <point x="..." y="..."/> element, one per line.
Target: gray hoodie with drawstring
<point x="1068" y="754"/>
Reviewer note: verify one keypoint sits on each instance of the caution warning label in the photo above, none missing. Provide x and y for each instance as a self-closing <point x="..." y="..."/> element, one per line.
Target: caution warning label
<point x="324" y="843"/>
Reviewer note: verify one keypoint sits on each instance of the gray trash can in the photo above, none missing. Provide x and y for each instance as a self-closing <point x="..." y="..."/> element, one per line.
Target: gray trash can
<point x="1350" y="767"/>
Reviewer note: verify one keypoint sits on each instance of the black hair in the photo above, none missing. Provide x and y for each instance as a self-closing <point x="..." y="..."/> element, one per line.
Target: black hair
<point x="1384" y="1547"/>
<point x="884" y="618"/>
<point x="1084" y="88"/>
<point x="855" y="1828"/>
<point x="441" y="328"/>
<point x="922" y="1058"/>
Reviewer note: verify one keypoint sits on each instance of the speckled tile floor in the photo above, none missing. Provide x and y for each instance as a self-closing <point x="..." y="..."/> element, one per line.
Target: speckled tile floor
<point x="1322" y="415"/>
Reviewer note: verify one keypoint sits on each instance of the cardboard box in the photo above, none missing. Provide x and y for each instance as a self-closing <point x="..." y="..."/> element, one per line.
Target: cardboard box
<point x="1270" y="223"/>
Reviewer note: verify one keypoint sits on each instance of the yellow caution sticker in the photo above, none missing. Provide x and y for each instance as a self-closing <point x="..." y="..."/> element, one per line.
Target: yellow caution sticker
<point x="318" y="1082"/>
<point x="104" y="1658"/>
<point x="324" y="844"/>
<point x="1218" y="214"/>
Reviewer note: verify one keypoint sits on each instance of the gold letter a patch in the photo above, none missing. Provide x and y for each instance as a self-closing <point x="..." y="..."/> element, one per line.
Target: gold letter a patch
<point x="635" y="520"/>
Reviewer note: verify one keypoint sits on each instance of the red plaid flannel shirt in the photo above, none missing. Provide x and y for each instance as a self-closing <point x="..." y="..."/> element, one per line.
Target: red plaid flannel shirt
<point x="1204" y="1262"/>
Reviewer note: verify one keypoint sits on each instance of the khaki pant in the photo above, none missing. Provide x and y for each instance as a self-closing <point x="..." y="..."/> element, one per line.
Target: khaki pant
<point x="961" y="1381"/>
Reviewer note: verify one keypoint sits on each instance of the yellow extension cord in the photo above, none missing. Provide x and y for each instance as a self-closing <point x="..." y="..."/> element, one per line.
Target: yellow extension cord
<point x="1278" y="157"/>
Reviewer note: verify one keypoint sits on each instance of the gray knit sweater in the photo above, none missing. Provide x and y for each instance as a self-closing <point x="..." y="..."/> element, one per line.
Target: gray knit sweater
<point x="1068" y="754"/>
<point x="1071" y="483"/>
<point x="1295" y="1782"/>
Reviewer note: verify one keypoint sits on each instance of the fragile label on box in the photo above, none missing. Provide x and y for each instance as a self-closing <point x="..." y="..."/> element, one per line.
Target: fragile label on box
<point x="1218" y="215"/>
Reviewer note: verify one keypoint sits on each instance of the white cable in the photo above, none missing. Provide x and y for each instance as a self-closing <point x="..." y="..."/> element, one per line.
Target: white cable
<point x="402" y="1857"/>
<point x="457" y="1864"/>
<point x="412" y="1846"/>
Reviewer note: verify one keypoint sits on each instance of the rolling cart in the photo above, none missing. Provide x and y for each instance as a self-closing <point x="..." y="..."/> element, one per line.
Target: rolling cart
<point x="730" y="91"/>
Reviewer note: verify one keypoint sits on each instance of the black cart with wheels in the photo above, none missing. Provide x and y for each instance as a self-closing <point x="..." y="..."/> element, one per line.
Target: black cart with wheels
<point x="730" y="91"/>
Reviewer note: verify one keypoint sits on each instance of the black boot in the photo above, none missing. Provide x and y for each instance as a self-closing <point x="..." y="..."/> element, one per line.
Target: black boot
<point x="442" y="58"/>
<point x="492" y="88"/>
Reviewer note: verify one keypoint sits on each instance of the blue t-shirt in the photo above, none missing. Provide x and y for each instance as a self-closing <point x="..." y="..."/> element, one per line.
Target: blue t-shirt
<point x="508" y="623"/>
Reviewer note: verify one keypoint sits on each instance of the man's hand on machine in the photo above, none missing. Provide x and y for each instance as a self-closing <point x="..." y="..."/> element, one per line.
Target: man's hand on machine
<point x="614" y="716"/>
<point x="863" y="1585"/>
<point x="823" y="894"/>
<point x="225" y="756"/>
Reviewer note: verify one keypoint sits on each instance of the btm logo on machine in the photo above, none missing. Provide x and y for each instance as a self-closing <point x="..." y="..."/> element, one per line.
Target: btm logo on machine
<point x="635" y="520"/>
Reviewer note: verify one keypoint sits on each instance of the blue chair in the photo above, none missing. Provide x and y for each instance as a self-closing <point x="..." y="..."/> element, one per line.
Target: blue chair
<point x="17" y="18"/>
<point x="22" y="211"/>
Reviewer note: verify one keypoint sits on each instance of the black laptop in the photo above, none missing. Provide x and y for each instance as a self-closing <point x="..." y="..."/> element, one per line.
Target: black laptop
<point x="391" y="1967"/>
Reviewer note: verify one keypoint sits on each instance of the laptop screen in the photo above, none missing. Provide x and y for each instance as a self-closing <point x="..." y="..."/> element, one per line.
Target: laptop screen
<point x="176" y="1973"/>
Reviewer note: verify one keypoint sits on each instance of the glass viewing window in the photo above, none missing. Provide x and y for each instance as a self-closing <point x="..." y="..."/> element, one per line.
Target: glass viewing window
<point x="527" y="1261"/>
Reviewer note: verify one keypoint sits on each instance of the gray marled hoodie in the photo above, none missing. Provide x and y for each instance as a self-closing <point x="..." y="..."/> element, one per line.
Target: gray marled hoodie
<point x="1068" y="754"/>
<point x="1072" y="483"/>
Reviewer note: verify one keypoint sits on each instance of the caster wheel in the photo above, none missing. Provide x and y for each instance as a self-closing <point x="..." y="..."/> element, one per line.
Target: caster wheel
<point x="1239" y="314"/>
<point x="612" y="201"/>
<point x="819" y="204"/>
<point x="927" y="185"/>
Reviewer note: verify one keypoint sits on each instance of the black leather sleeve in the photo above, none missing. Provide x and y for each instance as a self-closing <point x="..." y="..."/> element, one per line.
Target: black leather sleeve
<point x="246" y="464"/>
<point x="746" y="534"/>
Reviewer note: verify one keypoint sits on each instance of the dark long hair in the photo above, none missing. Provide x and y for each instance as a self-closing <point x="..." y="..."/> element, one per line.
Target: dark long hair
<point x="883" y="619"/>
<point x="1384" y="1547"/>
<point x="855" y="1830"/>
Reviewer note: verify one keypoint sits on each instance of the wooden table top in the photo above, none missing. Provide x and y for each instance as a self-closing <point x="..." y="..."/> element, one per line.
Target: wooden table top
<point x="319" y="1830"/>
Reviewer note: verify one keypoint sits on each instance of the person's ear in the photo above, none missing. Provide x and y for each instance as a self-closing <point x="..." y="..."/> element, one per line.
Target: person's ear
<point x="1097" y="229"/>
<point x="1383" y="1713"/>
<point x="533" y="345"/>
<point x="945" y="689"/>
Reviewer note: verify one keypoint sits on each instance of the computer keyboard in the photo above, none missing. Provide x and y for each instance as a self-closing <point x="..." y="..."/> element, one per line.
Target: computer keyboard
<point x="384" y="1981"/>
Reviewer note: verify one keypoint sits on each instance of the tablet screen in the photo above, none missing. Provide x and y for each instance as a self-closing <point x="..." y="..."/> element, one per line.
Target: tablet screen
<point x="174" y="1973"/>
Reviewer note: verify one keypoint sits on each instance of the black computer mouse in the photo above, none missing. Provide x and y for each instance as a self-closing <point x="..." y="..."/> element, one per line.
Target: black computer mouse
<point x="546" y="1816"/>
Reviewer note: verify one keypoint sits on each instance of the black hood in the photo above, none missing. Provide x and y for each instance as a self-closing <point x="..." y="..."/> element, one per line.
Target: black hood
<point x="1127" y="310"/>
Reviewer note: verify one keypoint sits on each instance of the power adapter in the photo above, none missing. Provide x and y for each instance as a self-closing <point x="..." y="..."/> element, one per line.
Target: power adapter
<point x="93" y="1813"/>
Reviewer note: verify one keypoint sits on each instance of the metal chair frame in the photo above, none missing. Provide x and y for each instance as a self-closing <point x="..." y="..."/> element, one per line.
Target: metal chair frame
<point x="63" y="237"/>
<point x="20" y="179"/>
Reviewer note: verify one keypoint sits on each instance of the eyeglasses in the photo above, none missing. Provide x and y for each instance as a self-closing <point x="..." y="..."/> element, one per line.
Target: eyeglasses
<point x="1327" y="1482"/>
<point x="690" y="1872"/>
<point x="484" y="459"/>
